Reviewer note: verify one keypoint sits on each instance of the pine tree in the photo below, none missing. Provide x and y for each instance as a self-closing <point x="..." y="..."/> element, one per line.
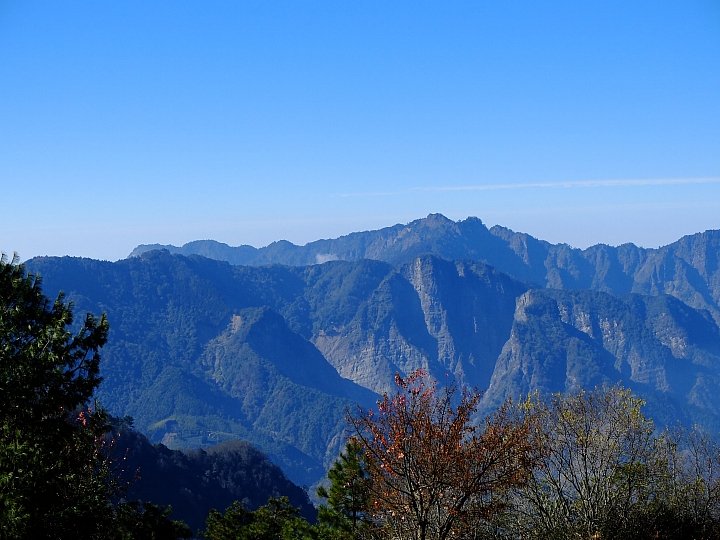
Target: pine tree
<point x="348" y="498"/>
<point x="277" y="520"/>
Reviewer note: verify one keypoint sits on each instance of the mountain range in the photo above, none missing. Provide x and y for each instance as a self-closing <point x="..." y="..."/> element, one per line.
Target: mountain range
<point x="211" y="343"/>
<point x="686" y="269"/>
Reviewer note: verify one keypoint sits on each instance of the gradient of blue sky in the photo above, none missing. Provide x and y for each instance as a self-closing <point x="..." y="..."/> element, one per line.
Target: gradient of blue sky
<point x="246" y="122"/>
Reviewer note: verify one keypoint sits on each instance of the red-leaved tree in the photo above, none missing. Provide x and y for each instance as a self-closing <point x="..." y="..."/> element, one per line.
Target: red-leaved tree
<point x="435" y="474"/>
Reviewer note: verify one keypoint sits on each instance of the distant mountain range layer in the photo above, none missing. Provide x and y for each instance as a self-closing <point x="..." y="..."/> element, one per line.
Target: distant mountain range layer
<point x="686" y="269"/>
<point x="202" y="351"/>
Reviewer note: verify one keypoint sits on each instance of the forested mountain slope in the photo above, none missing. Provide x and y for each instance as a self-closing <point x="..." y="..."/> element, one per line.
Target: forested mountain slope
<point x="687" y="269"/>
<point x="201" y="351"/>
<point x="195" y="481"/>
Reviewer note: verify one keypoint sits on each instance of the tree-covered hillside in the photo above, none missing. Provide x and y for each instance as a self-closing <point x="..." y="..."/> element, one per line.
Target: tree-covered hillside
<point x="194" y="482"/>
<point x="200" y="351"/>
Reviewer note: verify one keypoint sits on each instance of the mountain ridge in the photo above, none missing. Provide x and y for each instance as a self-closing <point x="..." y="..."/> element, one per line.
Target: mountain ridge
<point x="687" y="269"/>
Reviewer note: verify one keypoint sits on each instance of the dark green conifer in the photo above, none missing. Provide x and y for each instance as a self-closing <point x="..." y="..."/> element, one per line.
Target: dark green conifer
<point x="277" y="520"/>
<point x="53" y="476"/>
<point x="348" y="503"/>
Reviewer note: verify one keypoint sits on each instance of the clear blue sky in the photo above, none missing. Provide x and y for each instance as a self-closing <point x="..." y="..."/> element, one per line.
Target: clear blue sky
<point x="246" y="122"/>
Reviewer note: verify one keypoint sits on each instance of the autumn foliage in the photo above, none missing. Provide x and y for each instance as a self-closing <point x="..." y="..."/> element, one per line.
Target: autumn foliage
<point x="436" y="473"/>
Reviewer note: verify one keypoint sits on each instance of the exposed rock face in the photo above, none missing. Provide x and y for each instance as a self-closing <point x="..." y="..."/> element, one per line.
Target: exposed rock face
<point x="562" y="340"/>
<point x="450" y="319"/>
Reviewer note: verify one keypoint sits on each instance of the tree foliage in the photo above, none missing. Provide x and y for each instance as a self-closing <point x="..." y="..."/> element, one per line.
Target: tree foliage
<point x="53" y="476"/>
<point x="56" y="479"/>
<point x="348" y="498"/>
<point x="605" y="472"/>
<point x="145" y="521"/>
<point x="47" y="370"/>
<point x="435" y="473"/>
<point x="689" y="506"/>
<point x="597" y="470"/>
<point x="277" y="520"/>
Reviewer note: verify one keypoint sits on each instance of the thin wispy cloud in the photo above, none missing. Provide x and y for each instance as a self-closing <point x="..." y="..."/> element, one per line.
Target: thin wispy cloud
<point x="532" y="185"/>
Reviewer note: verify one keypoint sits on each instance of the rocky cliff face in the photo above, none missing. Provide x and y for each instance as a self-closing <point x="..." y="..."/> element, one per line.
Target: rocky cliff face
<point x="687" y="269"/>
<point x="448" y="318"/>
<point x="563" y="340"/>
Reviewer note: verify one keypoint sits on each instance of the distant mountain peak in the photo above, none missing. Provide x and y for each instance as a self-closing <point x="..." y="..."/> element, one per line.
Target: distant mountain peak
<point x="437" y="220"/>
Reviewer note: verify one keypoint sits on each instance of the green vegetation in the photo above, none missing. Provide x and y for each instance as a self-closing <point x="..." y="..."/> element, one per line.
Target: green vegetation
<point x="53" y="476"/>
<point x="605" y="472"/>
<point x="202" y="352"/>
<point x="601" y="469"/>
<point x="582" y="464"/>
<point x="56" y="478"/>
<point x="192" y="482"/>
<point x="276" y="520"/>
<point x="145" y="521"/>
<point x="347" y="511"/>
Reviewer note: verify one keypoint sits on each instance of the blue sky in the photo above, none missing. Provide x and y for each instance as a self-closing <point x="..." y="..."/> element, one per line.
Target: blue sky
<point x="140" y="122"/>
